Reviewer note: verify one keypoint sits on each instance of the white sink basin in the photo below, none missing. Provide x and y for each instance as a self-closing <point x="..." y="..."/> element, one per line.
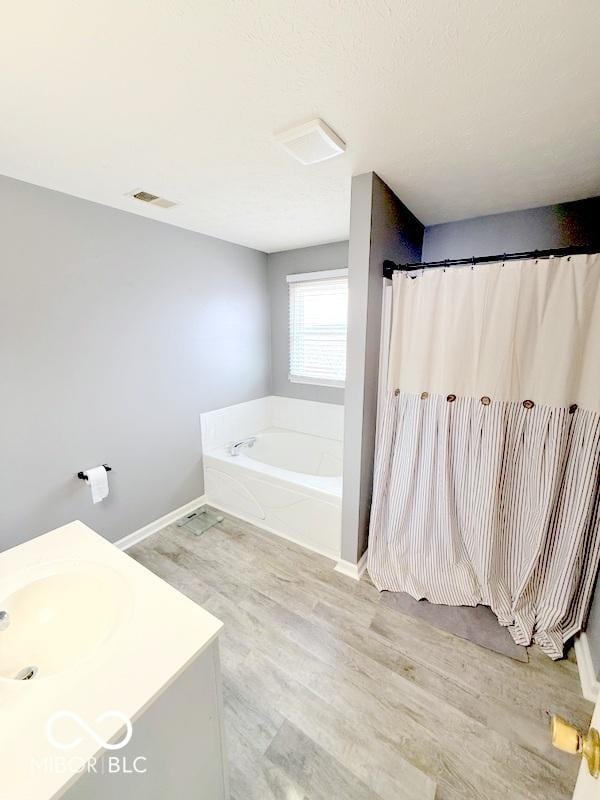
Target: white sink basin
<point x="60" y="618"/>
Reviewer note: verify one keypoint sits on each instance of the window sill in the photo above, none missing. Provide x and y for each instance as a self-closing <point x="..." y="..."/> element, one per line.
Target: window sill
<point x="316" y="381"/>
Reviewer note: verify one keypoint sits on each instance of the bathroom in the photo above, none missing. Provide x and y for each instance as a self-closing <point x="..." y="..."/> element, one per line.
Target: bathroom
<point x="269" y="347"/>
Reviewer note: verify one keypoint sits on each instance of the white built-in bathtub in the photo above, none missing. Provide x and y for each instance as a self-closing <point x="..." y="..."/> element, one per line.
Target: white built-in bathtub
<point x="290" y="481"/>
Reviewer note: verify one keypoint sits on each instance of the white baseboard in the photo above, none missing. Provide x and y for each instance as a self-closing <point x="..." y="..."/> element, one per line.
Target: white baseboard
<point x="153" y="527"/>
<point x="587" y="675"/>
<point x="257" y="524"/>
<point x="353" y="570"/>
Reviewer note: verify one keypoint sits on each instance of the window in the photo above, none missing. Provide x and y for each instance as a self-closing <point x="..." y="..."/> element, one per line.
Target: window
<point x="318" y="322"/>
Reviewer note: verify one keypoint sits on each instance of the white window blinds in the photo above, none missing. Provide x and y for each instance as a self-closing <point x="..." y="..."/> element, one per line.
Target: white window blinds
<point x="318" y="322"/>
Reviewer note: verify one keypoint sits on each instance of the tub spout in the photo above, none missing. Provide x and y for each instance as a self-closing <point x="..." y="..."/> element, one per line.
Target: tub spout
<point x="235" y="447"/>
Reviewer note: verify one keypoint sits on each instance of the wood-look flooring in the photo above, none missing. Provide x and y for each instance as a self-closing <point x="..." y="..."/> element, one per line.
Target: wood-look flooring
<point x="329" y="695"/>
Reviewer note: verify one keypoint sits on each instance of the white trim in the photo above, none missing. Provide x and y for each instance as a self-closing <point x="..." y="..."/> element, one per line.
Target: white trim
<point x="258" y="524"/>
<point x="153" y="527"/>
<point x="351" y="570"/>
<point x="320" y="275"/>
<point x="315" y="381"/>
<point x="590" y="685"/>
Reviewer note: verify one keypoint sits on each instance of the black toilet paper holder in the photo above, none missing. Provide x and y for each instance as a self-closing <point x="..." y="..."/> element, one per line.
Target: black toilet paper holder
<point x="83" y="477"/>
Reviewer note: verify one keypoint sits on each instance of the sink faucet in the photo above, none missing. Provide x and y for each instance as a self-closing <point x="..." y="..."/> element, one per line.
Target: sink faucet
<point x="4" y="620"/>
<point x="235" y="447"/>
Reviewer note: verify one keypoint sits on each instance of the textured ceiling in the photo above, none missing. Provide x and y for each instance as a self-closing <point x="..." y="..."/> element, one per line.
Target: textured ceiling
<point x="464" y="107"/>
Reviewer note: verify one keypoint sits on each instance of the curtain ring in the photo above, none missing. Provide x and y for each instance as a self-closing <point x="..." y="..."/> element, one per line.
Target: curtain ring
<point x="472" y="263"/>
<point x="503" y="259"/>
<point x="445" y="264"/>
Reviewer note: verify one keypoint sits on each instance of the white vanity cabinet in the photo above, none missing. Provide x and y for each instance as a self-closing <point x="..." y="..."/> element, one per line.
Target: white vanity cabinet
<point x="176" y="750"/>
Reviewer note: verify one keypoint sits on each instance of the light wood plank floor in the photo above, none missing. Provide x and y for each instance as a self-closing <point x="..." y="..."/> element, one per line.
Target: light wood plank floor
<point x="331" y="696"/>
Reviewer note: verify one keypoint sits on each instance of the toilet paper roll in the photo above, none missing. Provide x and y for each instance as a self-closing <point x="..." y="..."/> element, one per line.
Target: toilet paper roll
<point x="97" y="478"/>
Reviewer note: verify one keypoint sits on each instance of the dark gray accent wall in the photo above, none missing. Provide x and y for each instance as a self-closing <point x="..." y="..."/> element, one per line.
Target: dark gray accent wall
<point x="289" y="262"/>
<point x="543" y="228"/>
<point x="562" y="225"/>
<point x="116" y="332"/>
<point x="381" y="227"/>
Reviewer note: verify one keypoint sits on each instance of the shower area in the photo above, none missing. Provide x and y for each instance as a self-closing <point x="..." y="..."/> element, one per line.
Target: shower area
<point x="472" y="416"/>
<point x="487" y="465"/>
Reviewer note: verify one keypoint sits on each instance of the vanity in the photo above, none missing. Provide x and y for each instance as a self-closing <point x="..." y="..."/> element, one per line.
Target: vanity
<point x="109" y="678"/>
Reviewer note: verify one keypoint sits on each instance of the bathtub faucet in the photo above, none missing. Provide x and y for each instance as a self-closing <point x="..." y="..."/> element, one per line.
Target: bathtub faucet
<point x="4" y="620"/>
<point x="235" y="447"/>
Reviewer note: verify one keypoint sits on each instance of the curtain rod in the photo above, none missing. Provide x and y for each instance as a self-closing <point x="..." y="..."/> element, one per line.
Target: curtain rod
<point x="389" y="267"/>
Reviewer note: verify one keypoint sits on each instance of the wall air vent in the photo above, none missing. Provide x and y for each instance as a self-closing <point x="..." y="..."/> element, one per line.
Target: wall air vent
<point x="312" y="142"/>
<point x="151" y="199"/>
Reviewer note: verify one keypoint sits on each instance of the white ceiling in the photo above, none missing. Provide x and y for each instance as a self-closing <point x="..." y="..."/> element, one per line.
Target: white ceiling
<point x="464" y="107"/>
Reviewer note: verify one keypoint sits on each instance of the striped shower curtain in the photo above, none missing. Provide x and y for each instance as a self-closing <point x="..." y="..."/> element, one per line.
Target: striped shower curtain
<point x="487" y="469"/>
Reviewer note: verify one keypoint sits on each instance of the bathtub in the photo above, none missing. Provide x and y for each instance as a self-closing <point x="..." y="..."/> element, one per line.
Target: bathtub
<point x="290" y="481"/>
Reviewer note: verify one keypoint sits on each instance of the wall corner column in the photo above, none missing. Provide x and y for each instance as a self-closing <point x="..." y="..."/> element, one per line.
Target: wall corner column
<point x="381" y="227"/>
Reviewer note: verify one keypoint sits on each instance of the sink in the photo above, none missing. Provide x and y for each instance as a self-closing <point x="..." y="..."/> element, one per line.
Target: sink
<point x="59" y="618"/>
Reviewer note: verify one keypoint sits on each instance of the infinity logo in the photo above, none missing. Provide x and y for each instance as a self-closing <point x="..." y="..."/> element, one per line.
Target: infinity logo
<point x="88" y="730"/>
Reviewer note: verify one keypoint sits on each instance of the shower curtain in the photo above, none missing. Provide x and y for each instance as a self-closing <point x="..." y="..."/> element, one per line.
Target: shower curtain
<point x="487" y="469"/>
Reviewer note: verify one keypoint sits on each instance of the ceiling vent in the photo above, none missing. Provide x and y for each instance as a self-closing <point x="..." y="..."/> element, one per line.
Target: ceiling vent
<point x="312" y="142"/>
<point x="146" y="197"/>
<point x="151" y="199"/>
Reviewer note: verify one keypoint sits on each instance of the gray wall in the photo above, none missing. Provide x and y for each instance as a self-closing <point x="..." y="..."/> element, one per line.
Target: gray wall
<point x="288" y="262"/>
<point x="381" y="227"/>
<point x="592" y="629"/>
<point x="541" y="228"/>
<point x="116" y="332"/>
<point x="562" y="225"/>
